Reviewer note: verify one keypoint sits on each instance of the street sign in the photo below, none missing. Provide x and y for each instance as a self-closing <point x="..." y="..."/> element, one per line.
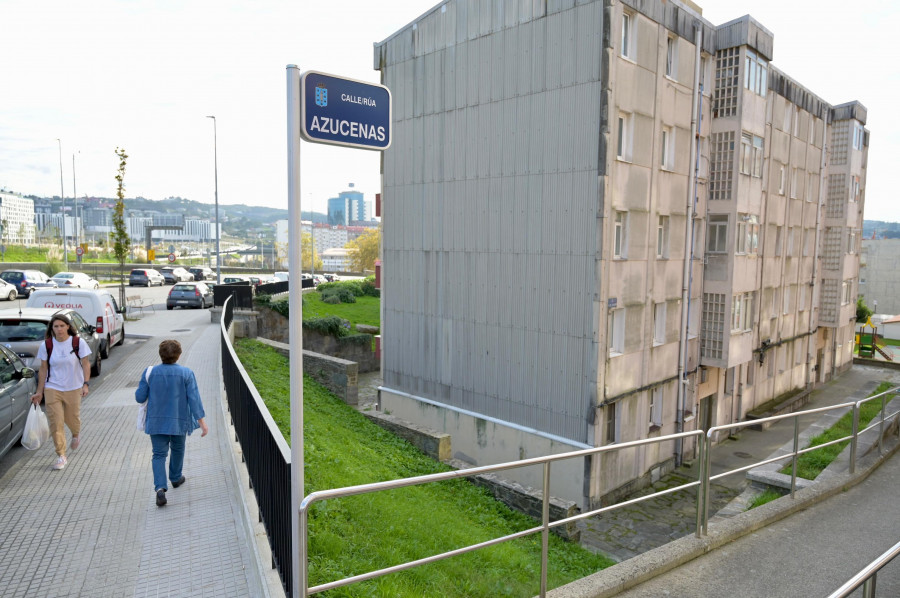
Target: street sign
<point x="79" y="251"/>
<point x="171" y="257"/>
<point x="340" y="111"/>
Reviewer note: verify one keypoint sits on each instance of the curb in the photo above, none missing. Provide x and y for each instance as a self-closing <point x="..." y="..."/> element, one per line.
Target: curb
<point x="631" y="573"/>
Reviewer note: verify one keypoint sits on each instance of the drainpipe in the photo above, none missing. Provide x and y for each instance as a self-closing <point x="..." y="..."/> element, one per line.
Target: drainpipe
<point x="689" y="250"/>
<point x="814" y="281"/>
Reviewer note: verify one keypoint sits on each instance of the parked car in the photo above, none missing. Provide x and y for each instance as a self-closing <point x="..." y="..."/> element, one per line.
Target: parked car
<point x="17" y="383"/>
<point x="190" y="294"/>
<point x="98" y="307"/>
<point x="174" y="274"/>
<point x="8" y="291"/>
<point x="26" y="281"/>
<point x="75" y="279"/>
<point x="201" y="273"/>
<point x="146" y="277"/>
<point x="23" y="330"/>
<point x="235" y="278"/>
<point x="282" y="275"/>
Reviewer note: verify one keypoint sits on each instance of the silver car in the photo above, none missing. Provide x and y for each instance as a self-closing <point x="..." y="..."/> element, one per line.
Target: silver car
<point x="23" y="331"/>
<point x="190" y="294"/>
<point x="17" y="384"/>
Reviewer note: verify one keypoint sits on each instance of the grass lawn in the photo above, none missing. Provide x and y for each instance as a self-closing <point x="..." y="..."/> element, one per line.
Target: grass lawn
<point x="354" y="535"/>
<point x="366" y="310"/>
<point x="810" y="465"/>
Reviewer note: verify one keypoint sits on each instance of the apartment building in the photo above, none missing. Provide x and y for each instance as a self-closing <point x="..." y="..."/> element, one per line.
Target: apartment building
<point x="606" y="221"/>
<point x="16" y="218"/>
<point x="879" y="275"/>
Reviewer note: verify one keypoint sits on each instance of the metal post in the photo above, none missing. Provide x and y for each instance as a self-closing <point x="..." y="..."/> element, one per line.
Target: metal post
<point x="881" y="425"/>
<point x="62" y="196"/>
<point x="794" y="458"/>
<point x="700" y="484"/>
<point x="545" y="532"/>
<point x="854" y="438"/>
<point x="295" y="304"/>
<point x="216" y="169"/>
<point x="75" y="199"/>
<point x="706" y="470"/>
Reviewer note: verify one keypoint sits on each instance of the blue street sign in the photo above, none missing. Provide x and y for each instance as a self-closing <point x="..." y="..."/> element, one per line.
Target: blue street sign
<point x="340" y="111"/>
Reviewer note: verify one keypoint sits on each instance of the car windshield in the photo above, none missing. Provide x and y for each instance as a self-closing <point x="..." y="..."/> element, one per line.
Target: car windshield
<point x="22" y="330"/>
<point x="64" y="275"/>
<point x="183" y="287"/>
<point x="11" y="276"/>
<point x="137" y="273"/>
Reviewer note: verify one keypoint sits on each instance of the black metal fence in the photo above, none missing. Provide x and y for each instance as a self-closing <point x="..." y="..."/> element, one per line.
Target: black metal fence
<point x="265" y="451"/>
<point x="273" y="288"/>
<point x="241" y="291"/>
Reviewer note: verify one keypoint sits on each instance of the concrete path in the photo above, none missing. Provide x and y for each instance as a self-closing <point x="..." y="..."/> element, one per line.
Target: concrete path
<point x="94" y="529"/>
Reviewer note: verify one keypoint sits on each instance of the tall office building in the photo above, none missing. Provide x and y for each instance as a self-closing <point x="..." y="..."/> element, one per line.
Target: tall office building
<point x="606" y="221"/>
<point x="347" y="207"/>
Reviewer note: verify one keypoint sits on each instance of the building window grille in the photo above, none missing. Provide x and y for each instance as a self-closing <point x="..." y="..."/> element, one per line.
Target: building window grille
<point x="722" y="166"/>
<point x="840" y="142"/>
<point x="727" y="67"/>
<point x="713" y="325"/>
<point x="836" y="204"/>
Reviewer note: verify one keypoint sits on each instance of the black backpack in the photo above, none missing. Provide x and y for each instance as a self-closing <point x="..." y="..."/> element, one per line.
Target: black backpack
<point x="76" y="344"/>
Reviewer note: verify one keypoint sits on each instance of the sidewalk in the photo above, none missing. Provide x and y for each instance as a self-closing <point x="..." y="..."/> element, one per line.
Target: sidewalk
<point x="94" y="529"/>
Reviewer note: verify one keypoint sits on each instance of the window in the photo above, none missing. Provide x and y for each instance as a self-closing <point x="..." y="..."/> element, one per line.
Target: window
<point x="789" y="252"/>
<point x="796" y="121"/>
<point x="786" y="304"/>
<point x="751" y="155"/>
<point x="671" y="57"/>
<point x="846" y="292"/>
<point x="656" y="402"/>
<point x="807" y="234"/>
<point x="779" y="231"/>
<point x="747" y="236"/>
<point x="619" y="238"/>
<point x="659" y="323"/>
<point x="721" y="166"/>
<point x="794" y="184"/>
<point x="727" y="63"/>
<point x="851" y="242"/>
<point x="612" y="424"/>
<point x="616" y="331"/>
<point x="741" y="312"/>
<point x="662" y="237"/>
<point x="625" y="137"/>
<point x="781" y="180"/>
<point x="717" y="233"/>
<point x="858" y="134"/>
<point x="774" y="302"/>
<point x="667" y="151"/>
<point x="854" y="188"/>
<point x="811" y="187"/>
<point x="803" y="297"/>
<point x="627" y="35"/>
<point x="755" y="73"/>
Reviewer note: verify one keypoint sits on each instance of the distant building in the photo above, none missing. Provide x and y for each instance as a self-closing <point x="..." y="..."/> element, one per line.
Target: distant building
<point x="347" y="207"/>
<point x="336" y="259"/>
<point x="879" y="275"/>
<point x="16" y="218"/>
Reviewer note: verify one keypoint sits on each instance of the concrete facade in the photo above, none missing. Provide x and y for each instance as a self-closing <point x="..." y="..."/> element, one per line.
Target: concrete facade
<point x="17" y="218"/>
<point x="564" y="267"/>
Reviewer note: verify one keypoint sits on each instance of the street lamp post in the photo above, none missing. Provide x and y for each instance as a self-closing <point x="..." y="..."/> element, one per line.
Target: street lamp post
<point x="216" y="167"/>
<point x="63" y="211"/>
<point x="75" y="196"/>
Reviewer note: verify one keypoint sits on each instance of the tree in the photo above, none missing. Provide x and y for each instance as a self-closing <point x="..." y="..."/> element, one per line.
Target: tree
<point x="306" y="253"/>
<point x="121" y="242"/>
<point x="862" y="311"/>
<point x="366" y="246"/>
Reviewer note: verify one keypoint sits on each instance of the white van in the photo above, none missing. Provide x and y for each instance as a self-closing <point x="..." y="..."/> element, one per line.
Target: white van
<point x="97" y="307"/>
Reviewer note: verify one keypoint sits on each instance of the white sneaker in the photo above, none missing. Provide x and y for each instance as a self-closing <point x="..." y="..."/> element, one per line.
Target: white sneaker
<point x="60" y="462"/>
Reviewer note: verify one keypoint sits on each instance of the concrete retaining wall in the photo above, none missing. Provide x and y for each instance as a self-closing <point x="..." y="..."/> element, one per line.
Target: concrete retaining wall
<point x="337" y="375"/>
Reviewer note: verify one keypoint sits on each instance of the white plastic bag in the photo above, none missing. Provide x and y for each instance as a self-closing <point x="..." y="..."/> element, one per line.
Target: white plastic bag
<point x="37" y="430"/>
<point x="142" y="408"/>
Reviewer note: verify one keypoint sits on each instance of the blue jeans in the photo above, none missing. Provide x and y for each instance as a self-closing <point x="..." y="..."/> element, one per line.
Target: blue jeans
<point x="161" y="445"/>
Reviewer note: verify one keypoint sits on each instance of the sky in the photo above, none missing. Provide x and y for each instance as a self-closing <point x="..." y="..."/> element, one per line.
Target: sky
<point x="143" y="75"/>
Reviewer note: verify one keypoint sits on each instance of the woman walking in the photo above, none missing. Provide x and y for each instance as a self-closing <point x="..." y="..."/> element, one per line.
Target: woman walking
<point x="174" y="410"/>
<point x="63" y="381"/>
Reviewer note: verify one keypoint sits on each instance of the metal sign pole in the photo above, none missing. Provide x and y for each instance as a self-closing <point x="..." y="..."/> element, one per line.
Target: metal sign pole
<point x="295" y="285"/>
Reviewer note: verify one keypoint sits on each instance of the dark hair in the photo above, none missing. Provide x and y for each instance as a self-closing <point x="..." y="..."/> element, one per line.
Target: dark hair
<point x="65" y="320"/>
<point x="169" y="351"/>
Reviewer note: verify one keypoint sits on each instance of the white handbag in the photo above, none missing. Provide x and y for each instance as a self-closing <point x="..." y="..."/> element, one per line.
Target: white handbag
<point x="142" y="408"/>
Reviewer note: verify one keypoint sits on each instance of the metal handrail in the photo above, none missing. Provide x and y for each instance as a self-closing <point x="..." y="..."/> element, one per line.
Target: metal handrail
<point x="867" y="576"/>
<point x="544" y="528"/>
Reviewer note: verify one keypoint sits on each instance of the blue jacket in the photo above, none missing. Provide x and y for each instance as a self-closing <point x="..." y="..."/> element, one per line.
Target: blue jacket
<point x="174" y="406"/>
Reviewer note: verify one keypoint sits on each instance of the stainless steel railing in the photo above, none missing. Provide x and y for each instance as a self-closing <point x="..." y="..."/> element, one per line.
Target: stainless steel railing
<point x="868" y="576"/>
<point x="702" y="484"/>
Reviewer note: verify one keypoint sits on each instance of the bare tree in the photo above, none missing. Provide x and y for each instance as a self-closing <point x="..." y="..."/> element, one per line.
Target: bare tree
<point x="121" y="242"/>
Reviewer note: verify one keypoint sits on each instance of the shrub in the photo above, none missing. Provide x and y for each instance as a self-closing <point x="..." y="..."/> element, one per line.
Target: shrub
<point x="344" y="293"/>
<point x="333" y="299"/>
<point x="368" y="287"/>
<point x="331" y="325"/>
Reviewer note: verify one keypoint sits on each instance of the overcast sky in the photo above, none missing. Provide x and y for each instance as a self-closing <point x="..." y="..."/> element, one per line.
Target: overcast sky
<point x="144" y="74"/>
